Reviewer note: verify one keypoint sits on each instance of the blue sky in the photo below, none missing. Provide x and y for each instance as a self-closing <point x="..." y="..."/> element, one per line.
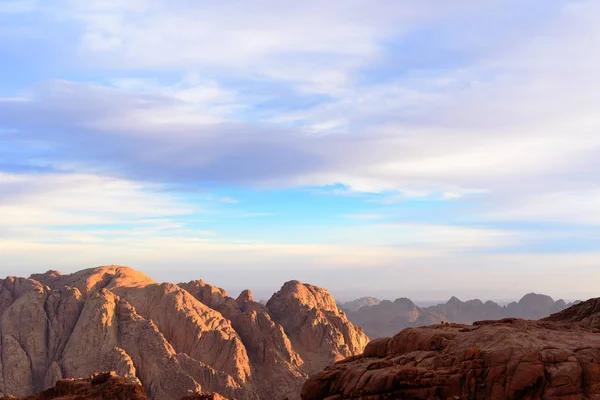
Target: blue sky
<point x="411" y="148"/>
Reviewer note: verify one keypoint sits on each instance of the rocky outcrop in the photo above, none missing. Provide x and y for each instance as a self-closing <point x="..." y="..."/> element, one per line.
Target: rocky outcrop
<point x="105" y="385"/>
<point x="317" y="329"/>
<point x="586" y="314"/>
<point x="387" y="318"/>
<point x="556" y="358"/>
<point x="174" y="340"/>
<point x="278" y="369"/>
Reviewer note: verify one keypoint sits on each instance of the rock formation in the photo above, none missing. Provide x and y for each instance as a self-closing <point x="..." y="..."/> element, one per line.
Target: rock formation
<point x="555" y="358"/>
<point x="317" y="329"/>
<point x="387" y="318"/>
<point x="175" y="340"/>
<point x="105" y="385"/>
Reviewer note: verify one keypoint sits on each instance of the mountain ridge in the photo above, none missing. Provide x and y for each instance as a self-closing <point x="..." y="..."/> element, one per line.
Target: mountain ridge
<point x="388" y="317"/>
<point x="173" y="339"/>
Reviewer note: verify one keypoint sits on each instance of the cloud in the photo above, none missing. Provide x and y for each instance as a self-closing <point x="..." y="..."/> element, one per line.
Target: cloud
<point x="313" y="45"/>
<point x="226" y="199"/>
<point x="484" y="107"/>
<point x="57" y="199"/>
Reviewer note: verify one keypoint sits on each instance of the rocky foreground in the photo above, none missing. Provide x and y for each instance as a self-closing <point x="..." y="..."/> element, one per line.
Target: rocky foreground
<point x="104" y="385"/>
<point x="554" y="358"/>
<point x="173" y="340"/>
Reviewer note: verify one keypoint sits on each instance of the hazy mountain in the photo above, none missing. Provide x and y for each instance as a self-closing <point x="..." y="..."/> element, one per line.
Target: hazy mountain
<point x="388" y="318"/>
<point x="354" y="305"/>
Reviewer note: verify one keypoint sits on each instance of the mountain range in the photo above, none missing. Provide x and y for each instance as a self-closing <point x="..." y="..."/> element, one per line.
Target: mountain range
<point x="386" y="318"/>
<point x="173" y="339"/>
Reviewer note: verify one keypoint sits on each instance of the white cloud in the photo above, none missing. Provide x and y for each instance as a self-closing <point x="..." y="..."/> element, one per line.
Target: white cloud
<point x="41" y="200"/>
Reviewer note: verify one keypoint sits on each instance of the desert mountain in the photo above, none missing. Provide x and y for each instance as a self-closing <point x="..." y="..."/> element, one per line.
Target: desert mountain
<point x="555" y="358"/>
<point x="387" y="318"/>
<point x="172" y="339"/>
<point x="354" y="305"/>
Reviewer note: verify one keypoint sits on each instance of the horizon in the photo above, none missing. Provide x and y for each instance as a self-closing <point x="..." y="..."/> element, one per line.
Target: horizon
<point x="263" y="294"/>
<point x="414" y="148"/>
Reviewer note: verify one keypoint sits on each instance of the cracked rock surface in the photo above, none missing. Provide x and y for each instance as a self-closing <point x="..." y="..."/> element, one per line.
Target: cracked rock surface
<point x="554" y="358"/>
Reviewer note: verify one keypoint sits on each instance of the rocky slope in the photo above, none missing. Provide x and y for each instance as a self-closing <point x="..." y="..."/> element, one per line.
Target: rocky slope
<point x="555" y="358"/>
<point x="174" y="340"/>
<point x="307" y="312"/>
<point x="106" y="385"/>
<point x="387" y="318"/>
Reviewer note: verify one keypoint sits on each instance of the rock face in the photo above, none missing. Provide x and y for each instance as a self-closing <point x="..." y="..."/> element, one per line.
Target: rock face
<point x="387" y="318"/>
<point x="317" y="329"/>
<point x="278" y="369"/>
<point x="100" y="386"/>
<point x="586" y="314"/>
<point x="174" y="340"/>
<point x="556" y="358"/>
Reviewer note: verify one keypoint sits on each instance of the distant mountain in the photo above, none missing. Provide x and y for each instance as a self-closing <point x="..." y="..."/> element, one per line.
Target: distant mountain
<point x="354" y="305"/>
<point x="387" y="318"/>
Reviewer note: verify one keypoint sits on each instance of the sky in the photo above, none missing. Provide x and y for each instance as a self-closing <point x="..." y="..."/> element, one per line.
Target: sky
<point x="388" y="148"/>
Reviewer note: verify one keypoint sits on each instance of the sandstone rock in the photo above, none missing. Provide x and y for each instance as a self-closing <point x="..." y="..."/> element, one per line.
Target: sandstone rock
<point x="586" y="314"/>
<point x="173" y="340"/>
<point x="277" y="368"/>
<point x="317" y="329"/>
<point x="205" y="396"/>
<point x="507" y="359"/>
<point x="107" y="386"/>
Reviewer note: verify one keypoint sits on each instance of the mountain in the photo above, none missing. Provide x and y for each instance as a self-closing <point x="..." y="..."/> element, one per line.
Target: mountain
<point x="174" y="340"/>
<point x="387" y="318"/>
<point x="554" y="358"/>
<point x="354" y="305"/>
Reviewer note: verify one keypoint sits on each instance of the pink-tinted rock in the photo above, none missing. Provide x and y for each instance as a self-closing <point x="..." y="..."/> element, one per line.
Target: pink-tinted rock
<point x="556" y="358"/>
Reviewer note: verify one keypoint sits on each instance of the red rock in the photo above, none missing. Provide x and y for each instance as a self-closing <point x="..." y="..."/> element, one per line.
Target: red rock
<point x="555" y="358"/>
<point x="107" y="385"/>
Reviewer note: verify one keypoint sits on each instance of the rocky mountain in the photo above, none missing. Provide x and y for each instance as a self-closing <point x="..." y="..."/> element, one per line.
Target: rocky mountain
<point x="554" y="358"/>
<point x="354" y="305"/>
<point x="387" y="318"/>
<point x="174" y="340"/>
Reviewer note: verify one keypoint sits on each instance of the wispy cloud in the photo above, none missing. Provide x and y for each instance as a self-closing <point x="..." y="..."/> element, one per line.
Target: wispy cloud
<point x="482" y="115"/>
